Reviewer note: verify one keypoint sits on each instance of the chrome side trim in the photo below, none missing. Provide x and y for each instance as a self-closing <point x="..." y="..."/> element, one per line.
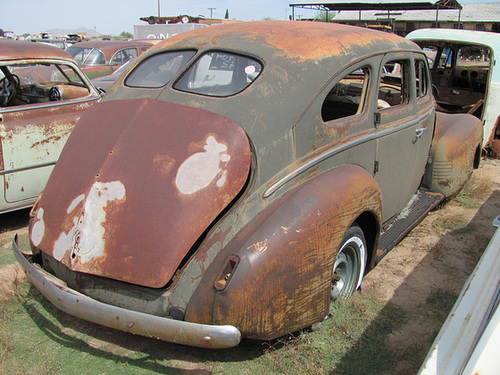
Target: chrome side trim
<point x="17" y="208"/>
<point x="21" y="169"/>
<point x="50" y="104"/>
<point x="313" y="162"/>
<point x="81" y="306"/>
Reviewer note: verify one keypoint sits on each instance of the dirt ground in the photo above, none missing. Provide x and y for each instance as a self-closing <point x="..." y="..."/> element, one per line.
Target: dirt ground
<point x="436" y="257"/>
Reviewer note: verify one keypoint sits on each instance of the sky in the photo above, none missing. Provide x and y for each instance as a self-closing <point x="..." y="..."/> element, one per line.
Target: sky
<point x="116" y="16"/>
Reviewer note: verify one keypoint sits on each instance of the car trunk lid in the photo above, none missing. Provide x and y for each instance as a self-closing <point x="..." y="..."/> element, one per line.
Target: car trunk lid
<point x="137" y="184"/>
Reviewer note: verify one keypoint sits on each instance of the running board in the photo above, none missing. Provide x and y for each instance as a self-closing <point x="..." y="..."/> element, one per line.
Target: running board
<point x="418" y="208"/>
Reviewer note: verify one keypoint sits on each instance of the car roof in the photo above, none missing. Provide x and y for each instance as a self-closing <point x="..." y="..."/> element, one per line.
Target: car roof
<point x="16" y="49"/>
<point x="484" y="38"/>
<point x="302" y="41"/>
<point x="298" y="58"/>
<point x="110" y="46"/>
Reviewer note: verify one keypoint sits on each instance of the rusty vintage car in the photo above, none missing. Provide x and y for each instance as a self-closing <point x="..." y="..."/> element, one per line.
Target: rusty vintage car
<point x="239" y="177"/>
<point x="42" y="95"/>
<point x="465" y="76"/>
<point x="101" y="58"/>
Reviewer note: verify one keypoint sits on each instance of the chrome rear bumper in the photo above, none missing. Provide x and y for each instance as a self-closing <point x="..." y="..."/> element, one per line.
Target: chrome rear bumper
<point x="81" y="306"/>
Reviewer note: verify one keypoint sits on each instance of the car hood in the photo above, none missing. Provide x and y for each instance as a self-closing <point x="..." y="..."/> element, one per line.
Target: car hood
<point x="137" y="184"/>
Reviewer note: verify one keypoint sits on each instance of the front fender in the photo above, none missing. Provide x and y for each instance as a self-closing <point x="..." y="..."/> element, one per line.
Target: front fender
<point x="455" y="151"/>
<point x="282" y="260"/>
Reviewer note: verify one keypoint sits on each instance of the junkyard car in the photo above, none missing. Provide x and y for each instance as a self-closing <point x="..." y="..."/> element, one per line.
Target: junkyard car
<point x="101" y="58"/>
<point x="42" y="95"/>
<point x="465" y="76"/>
<point x="104" y="83"/>
<point x="239" y="177"/>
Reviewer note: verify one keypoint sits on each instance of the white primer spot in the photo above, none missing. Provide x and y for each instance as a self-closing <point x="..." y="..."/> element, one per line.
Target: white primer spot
<point x="200" y="169"/>
<point x="222" y="180"/>
<point x="64" y="242"/>
<point x="88" y="240"/>
<point x="38" y="229"/>
<point x="75" y="203"/>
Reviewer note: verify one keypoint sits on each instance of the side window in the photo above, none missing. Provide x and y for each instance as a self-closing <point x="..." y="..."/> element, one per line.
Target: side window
<point x="121" y="57"/>
<point x="431" y="52"/>
<point x="40" y="83"/>
<point x="393" y="86"/>
<point x="79" y="53"/>
<point x="446" y="58"/>
<point x="347" y="97"/>
<point x="422" y="78"/>
<point x="96" y="57"/>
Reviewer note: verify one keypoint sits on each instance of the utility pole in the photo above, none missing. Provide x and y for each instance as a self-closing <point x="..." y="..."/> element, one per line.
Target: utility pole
<point x="158" y="8"/>
<point x="211" y="11"/>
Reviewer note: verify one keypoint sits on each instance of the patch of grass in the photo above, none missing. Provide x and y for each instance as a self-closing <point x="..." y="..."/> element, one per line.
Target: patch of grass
<point x="479" y="188"/>
<point x="440" y="303"/>
<point x="35" y="337"/>
<point x="353" y="340"/>
<point x="451" y="223"/>
<point x="371" y="353"/>
<point x="6" y="255"/>
<point x="468" y="229"/>
<point x="466" y="200"/>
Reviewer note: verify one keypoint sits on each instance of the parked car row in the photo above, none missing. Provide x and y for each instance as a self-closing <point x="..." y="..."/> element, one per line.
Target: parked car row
<point x="43" y="93"/>
<point x="102" y="58"/>
<point x="239" y="177"/>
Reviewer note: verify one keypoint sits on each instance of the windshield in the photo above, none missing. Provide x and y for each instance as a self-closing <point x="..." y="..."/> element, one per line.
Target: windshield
<point x="158" y="70"/>
<point x="46" y="74"/>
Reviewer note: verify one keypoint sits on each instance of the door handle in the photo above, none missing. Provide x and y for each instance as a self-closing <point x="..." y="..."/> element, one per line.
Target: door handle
<point x="419" y="132"/>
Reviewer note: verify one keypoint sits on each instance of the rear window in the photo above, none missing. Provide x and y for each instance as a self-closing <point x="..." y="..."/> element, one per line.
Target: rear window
<point x="220" y="74"/>
<point x="158" y="70"/>
<point x="87" y="56"/>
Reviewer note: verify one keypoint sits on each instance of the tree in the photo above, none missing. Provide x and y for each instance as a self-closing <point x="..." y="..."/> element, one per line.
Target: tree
<point x="126" y="35"/>
<point x="227" y="14"/>
<point x="323" y="16"/>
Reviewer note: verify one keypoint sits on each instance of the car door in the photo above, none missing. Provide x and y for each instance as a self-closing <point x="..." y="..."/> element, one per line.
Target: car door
<point x="404" y="132"/>
<point x="35" y="127"/>
<point x="338" y="127"/>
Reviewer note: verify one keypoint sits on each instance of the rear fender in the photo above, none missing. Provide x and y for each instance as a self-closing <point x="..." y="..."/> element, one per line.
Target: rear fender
<point x="493" y="145"/>
<point x="274" y="276"/>
<point x="455" y="152"/>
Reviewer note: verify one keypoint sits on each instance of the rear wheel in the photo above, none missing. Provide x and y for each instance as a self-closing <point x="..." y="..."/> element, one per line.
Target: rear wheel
<point x="349" y="266"/>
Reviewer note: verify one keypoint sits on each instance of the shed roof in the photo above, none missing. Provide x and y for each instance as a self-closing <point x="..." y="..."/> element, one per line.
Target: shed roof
<point x="378" y="4"/>
<point x="476" y="12"/>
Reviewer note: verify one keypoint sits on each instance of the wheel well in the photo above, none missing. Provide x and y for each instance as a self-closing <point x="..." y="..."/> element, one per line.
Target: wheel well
<point x="477" y="157"/>
<point x="370" y="227"/>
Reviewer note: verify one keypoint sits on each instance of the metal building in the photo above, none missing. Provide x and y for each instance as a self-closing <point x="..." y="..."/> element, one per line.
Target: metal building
<point x="403" y="17"/>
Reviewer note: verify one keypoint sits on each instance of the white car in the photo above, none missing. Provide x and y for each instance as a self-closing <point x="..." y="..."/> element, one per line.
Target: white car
<point x="465" y="76"/>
